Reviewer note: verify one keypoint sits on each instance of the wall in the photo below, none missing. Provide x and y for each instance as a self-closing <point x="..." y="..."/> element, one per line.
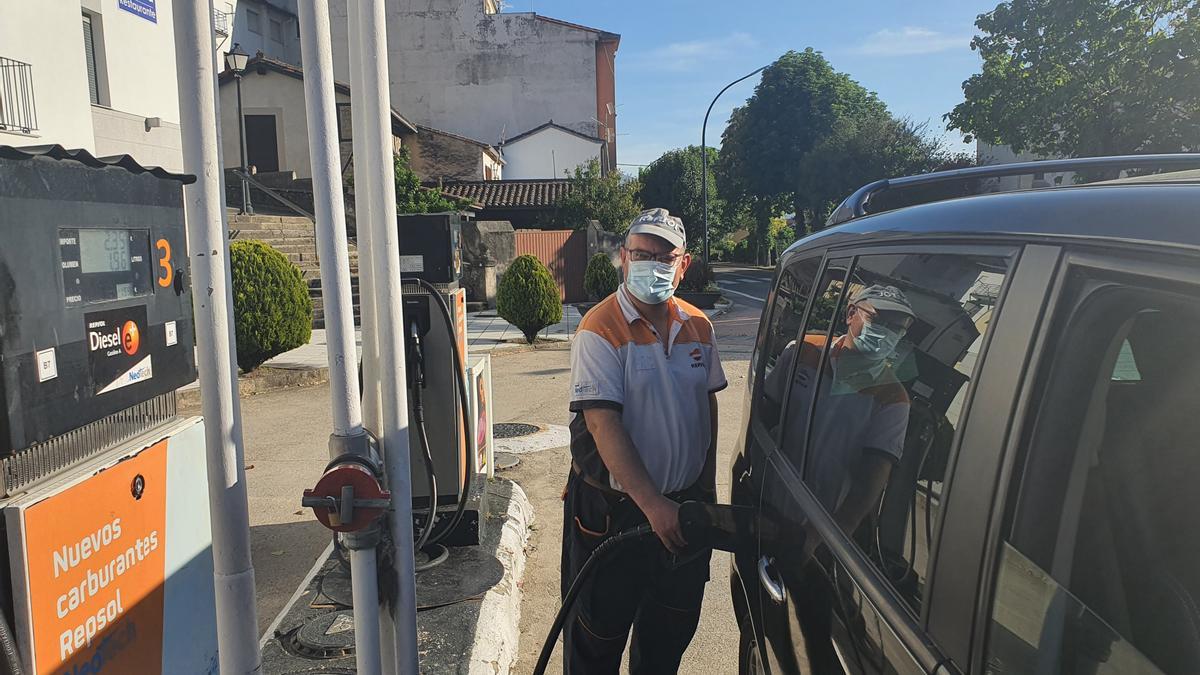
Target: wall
<point x="482" y="76"/>
<point x="119" y="133"/>
<point x="550" y="153"/>
<point x="606" y="98"/>
<point x="60" y="84"/>
<point x="434" y="155"/>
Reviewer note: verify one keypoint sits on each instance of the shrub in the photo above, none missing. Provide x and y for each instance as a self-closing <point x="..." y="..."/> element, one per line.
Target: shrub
<point x="527" y="297"/>
<point x="698" y="278"/>
<point x="601" y="278"/>
<point x="272" y="312"/>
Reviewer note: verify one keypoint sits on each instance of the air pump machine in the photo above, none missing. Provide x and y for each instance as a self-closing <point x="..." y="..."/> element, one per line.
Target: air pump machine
<point x="107" y="564"/>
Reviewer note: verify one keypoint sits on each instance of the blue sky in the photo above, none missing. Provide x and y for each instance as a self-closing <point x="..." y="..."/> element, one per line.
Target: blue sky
<point x="676" y="55"/>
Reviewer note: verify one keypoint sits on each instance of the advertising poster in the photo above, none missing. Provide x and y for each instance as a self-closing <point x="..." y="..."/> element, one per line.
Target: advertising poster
<point x="479" y="378"/>
<point x="95" y="570"/>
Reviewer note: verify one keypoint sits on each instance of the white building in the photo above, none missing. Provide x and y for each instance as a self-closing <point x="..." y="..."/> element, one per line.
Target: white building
<point x="986" y="153"/>
<point x="267" y="26"/>
<point x="463" y="67"/>
<point x="92" y="74"/>
<point x="548" y="151"/>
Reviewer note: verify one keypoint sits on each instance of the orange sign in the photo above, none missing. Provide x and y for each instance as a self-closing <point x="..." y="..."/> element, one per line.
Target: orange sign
<point x="95" y="561"/>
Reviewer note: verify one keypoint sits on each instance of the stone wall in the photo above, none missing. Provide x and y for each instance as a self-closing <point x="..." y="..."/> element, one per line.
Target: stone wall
<point x="489" y="247"/>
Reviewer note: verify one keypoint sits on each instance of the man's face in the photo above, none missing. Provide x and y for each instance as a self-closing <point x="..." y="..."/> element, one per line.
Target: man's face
<point x="650" y="247"/>
<point x="862" y="313"/>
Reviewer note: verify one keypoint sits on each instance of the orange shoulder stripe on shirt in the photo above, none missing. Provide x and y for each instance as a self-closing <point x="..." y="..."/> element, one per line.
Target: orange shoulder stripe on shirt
<point x="608" y="321"/>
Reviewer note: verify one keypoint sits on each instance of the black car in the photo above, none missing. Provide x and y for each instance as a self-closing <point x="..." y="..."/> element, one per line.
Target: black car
<point x="972" y="435"/>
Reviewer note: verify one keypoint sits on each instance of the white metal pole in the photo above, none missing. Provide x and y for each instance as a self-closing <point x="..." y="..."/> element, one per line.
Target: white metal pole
<point x="372" y="415"/>
<point x="233" y="573"/>
<point x="338" y="303"/>
<point x="374" y="95"/>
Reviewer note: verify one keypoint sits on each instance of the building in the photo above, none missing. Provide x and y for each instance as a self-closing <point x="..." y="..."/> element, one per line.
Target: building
<point x="92" y="74"/>
<point x="466" y="68"/>
<point x="985" y="153"/>
<point x="549" y="151"/>
<point x="527" y="204"/>
<point x="277" y="120"/>
<point x="269" y="27"/>
<point x="437" y="155"/>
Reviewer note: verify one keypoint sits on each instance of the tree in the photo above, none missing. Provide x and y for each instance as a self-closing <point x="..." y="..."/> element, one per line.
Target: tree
<point x="610" y="199"/>
<point x="860" y="152"/>
<point x="272" y="310"/>
<point x="1086" y="77"/>
<point x="412" y="197"/>
<point x="673" y="182"/>
<point x="527" y="297"/>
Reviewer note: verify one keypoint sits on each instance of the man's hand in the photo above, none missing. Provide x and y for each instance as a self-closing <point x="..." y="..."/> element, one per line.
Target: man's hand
<point x="663" y="515"/>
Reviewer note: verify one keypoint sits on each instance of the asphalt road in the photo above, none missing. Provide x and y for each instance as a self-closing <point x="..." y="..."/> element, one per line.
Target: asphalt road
<point x="747" y="287"/>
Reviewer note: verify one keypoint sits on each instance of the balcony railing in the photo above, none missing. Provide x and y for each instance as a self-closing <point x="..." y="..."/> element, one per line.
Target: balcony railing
<point x="221" y="22"/>
<point x="17" y="109"/>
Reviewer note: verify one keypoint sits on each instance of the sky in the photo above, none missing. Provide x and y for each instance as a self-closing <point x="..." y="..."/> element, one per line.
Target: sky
<point x="676" y="55"/>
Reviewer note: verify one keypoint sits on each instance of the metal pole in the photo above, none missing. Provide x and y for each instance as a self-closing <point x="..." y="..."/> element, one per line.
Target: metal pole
<point x="368" y="35"/>
<point x="233" y="574"/>
<point x="348" y="433"/>
<point x="704" y="156"/>
<point x="372" y="415"/>
<point x="247" y="208"/>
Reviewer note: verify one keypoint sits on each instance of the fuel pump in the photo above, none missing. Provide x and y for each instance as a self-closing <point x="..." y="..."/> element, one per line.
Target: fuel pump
<point x="107" y="561"/>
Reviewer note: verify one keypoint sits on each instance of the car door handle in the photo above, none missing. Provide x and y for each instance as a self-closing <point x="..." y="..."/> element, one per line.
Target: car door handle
<point x="766" y="577"/>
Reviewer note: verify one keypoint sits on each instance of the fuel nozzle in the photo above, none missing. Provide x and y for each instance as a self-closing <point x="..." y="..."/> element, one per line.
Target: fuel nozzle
<point x="720" y="526"/>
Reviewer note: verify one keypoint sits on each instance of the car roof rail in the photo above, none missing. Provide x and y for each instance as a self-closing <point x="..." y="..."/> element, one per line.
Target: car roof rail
<point x="855" y="206"/>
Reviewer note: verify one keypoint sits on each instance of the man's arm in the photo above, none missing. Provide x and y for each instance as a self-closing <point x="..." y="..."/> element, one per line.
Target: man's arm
<point x="868" y="478"/>
<point x="622" y="460"/>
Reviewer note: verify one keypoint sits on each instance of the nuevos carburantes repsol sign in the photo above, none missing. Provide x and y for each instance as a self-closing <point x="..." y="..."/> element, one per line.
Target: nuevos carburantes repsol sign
<point x="95" y="556"/>
<point x="117" y="353"/>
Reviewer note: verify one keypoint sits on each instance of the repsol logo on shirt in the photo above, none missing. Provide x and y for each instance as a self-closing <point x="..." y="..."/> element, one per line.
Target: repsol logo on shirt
<point x="127" y="337"/>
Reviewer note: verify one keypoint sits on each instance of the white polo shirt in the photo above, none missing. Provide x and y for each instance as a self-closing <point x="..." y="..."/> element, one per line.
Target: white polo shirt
<point x="618" y="362"/>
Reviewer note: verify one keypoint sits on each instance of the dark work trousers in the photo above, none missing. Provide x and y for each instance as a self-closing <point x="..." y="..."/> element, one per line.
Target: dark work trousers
<point x="640" y="586"/>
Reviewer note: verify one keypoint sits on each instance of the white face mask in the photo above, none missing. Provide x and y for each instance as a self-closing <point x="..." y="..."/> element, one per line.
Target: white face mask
<point x="650" y="281"/>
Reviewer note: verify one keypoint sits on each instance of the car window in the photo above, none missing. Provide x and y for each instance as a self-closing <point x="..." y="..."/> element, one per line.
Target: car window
<point x="888" y="363"/>
<point x="790" y="299"/>
<point x="1106" y="505"/>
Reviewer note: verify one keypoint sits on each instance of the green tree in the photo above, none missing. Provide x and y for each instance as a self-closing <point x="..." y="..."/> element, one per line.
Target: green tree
<point x="673" y="182"/>
<point x="1086" y="77"/>
<point x="412" y="197"/>
<point x="601" y="278"/>
<point x="272" y="311"/>
<point x="610" y="199"/>
<point x="861" y="151"/>
<point x="800" y="100"/>
<point x="527" y="297"/>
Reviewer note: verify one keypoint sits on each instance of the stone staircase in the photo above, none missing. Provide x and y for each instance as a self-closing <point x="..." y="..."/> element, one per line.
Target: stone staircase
<point x="293" y="237"/>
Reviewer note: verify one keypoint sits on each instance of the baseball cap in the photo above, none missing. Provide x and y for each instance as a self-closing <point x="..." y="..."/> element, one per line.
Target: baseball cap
<point x="660" y="223"/>
<point x="884" y="299"/>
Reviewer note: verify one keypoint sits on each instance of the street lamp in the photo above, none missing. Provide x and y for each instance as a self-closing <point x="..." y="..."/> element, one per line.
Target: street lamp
<point x="704" y="157"/>
<point x="236" y="60"/>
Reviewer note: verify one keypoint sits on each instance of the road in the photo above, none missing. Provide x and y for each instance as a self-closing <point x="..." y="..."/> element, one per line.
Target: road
<point x="747" y="287"/>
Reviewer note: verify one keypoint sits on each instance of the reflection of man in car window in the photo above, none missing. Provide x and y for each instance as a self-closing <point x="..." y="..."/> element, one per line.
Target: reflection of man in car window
<point x="862" y="409"/>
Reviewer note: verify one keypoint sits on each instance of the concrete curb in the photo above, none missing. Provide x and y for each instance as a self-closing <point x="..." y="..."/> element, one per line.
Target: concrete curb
<point x="497" y="630"/>
<point x="261" y="381"/>
<point x="721" y="307"/>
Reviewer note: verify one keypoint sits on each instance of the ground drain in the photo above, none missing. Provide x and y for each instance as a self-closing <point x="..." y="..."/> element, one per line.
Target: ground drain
<point x="328" y="636"/>
<point x="513" y="430"/>
<point x="506" y="460"/>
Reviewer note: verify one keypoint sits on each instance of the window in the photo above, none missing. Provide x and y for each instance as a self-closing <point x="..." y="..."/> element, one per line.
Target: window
<point x="277" y="31"/>
<point x="1100" y="571"/>
<point x="253" y="21"/>
<point x="91" y="39"/>
<point x="884" y="365"/>
<point x="787" y="312"/>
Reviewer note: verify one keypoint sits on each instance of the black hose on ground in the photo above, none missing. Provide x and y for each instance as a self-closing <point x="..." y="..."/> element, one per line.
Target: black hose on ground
<point x="10" y="658"/>
<point x="568" y="601"/>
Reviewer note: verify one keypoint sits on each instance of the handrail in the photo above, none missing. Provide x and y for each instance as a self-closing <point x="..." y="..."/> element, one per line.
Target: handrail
<point x="855" y="206"/>
<point x="274" y="194"/>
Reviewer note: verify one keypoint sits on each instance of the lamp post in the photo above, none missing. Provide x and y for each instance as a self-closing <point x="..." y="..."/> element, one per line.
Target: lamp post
<point x="704" y="156"/>
<point x="236" y="60"/>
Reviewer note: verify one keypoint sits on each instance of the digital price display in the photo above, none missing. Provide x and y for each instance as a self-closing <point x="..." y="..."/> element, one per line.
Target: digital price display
<point x="101" y="264"/>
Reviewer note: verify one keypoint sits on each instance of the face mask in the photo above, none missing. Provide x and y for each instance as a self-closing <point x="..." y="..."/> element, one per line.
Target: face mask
<point x="651" y="282"/>
<point x="876" y="342"/>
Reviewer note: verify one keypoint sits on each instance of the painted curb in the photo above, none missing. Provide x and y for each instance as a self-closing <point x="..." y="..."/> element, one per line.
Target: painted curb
<point x="497" y="630"/>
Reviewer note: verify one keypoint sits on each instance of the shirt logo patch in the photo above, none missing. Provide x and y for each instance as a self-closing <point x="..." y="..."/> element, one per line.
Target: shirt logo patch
<point x="696" y="354"/>
<point x="585" y="389"/>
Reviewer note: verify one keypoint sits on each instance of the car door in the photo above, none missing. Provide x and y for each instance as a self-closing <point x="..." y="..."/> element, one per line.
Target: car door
<point x="854" y="492"/>
<point x="782" y="318"/>
<point x="1094" y="568"/>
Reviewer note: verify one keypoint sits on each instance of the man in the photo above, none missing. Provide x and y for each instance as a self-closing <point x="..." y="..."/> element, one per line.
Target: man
<point x="862" y="409"/>
<point x="644" y="377"/>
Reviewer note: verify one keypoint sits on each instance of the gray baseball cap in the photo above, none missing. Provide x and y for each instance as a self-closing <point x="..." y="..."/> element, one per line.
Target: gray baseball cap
<point x="660" y="223"/>
<point x="884" y="299"/>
